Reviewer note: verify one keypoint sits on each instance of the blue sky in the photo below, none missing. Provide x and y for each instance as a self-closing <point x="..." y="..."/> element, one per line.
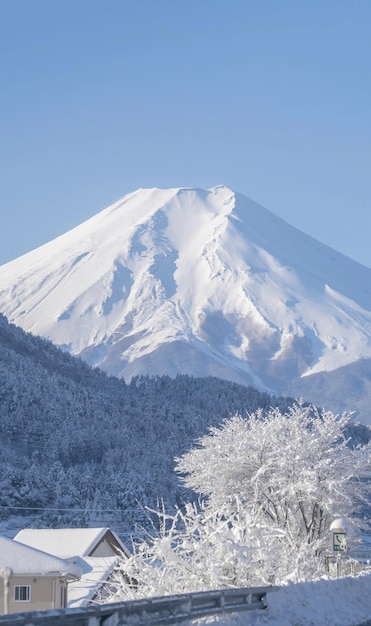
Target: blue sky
<point x="100" y="97"/>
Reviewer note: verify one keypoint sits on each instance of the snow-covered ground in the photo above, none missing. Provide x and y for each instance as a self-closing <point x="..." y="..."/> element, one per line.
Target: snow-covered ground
<point x="324" y="602"/>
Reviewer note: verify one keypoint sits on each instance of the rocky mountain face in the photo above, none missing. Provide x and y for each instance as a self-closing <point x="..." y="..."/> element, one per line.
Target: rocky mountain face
<point x="201" y="282"/>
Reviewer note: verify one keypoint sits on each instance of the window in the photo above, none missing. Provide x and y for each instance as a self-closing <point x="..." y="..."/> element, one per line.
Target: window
<point x="22" y="593"/>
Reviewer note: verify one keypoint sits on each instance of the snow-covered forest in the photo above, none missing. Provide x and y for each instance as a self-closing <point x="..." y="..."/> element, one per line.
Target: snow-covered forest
<point x="81" y="448"/>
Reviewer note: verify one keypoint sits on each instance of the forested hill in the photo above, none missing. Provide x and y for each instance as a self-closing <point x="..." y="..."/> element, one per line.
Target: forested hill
<point x="80" y="447"/>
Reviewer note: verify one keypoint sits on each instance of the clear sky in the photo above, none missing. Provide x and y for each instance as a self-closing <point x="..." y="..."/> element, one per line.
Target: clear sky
<point x="270" y="97"/>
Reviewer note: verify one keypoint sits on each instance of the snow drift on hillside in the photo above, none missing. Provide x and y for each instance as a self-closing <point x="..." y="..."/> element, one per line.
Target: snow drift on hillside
<point x="194" y="281"/>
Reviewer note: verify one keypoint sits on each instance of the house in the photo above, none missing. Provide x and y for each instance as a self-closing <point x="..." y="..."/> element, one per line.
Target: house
<point x="97" y="551"/>
<point x="32" y="580"/>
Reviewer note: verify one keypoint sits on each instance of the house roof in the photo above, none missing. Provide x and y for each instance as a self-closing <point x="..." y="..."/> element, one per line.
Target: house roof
<point x="67" y="542"/>
<point x="95" y="571"/>
<point x="76" y="545"/>
<point x="25" y="560"/>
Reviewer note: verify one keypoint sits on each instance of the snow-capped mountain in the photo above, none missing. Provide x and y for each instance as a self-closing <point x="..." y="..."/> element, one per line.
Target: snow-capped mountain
<point x="194" y="281"/>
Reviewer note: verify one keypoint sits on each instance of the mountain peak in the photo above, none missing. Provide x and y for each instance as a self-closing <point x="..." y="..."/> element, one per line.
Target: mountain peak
<point x="193" y="281"/>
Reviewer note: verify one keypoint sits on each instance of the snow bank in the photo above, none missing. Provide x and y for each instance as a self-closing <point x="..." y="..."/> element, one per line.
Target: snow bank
<point x="336" y="602"/>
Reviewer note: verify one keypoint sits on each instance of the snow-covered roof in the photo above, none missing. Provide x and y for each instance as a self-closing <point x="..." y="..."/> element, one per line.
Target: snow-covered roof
<point x="95" y="571"/>
<point x="23" y="559"/>
<point x="66" y="542"/>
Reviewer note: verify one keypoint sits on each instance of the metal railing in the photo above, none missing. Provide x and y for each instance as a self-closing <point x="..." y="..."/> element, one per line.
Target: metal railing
<point x="150" y="611"/>
<point x="348" y="563"/>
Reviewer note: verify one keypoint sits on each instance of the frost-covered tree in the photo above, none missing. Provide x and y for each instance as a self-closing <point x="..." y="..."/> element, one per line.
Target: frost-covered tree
<point x="294" y="471"/>
<point x="271" y="486"/>
<point x="197" y="548"/>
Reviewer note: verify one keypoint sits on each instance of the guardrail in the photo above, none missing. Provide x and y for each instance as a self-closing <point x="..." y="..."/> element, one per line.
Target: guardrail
<point x="150" y="611"/>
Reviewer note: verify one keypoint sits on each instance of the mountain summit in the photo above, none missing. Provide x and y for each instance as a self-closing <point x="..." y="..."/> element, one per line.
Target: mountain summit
<point x="194" y="281"/>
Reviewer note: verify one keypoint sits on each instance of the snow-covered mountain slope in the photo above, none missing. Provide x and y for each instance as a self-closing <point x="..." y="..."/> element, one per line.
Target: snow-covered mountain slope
<point x="194" y="281"/>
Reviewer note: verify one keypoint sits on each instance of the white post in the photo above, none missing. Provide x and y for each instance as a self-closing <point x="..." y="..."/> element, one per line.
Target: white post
<point x="6" y="574"/>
